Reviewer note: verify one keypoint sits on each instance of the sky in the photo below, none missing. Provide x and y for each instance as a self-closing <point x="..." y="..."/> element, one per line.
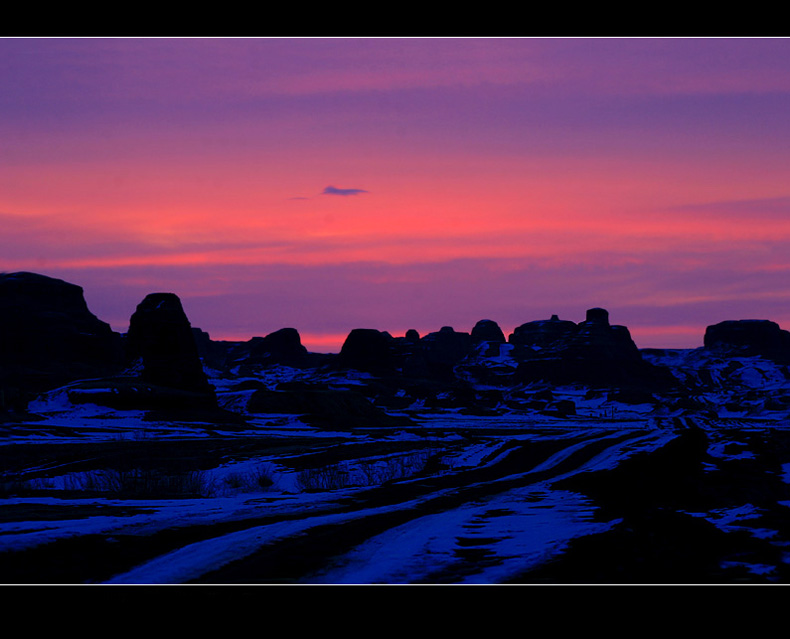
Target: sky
<point x="328" y="184"/>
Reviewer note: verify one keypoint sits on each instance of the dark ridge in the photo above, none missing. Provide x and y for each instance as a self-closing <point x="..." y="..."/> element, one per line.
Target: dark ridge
<point x="49" y="337"/>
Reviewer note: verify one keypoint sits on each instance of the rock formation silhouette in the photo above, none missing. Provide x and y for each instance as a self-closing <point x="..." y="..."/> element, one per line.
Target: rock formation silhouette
<point x="591" y="352"/>
<point x="763" y="338"/>
<point x="283" y="346"/>
<point x="48" y="336"/>
<point x="367" y="349"/>
<point x="161" y="336"/>
<point x="487" y="330"/>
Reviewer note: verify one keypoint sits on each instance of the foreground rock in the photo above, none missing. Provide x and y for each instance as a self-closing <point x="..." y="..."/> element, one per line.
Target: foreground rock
<point x="161" y="338"/>
<point x="48" y="337"/>
<point x="129" y="393"/>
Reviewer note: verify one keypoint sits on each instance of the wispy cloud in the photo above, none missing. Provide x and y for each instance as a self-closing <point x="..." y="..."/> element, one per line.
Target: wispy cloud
<point x="331" y="190"/>
<point x="772" y="208"/>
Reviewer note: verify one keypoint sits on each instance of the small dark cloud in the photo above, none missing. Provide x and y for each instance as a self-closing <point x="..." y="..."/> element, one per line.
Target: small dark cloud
<point x="331" y="190"/>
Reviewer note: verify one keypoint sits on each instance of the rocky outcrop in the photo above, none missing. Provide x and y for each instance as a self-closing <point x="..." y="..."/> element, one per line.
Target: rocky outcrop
<point x="592" y="352"/>
<point x="749" y="338"/>
<point x="487" y="337"/>
<point x="48" y="337"/>
<point x="432" y="356"/>
<point x="283" y="346"/>
<point x="443" y="349"/>
<point x="367" y="349"/>
<point x="161" y="337"/>
<point x="596" y="339"/>
<point x="213" y="353"/>
<point x="487" y="330"/>
<point x="542" y="333"/>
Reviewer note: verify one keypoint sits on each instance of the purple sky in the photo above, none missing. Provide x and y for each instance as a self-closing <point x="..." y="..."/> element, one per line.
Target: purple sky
<point x="331" y="184"/>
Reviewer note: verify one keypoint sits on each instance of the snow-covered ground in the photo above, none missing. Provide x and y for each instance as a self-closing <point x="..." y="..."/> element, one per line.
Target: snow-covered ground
<point x="493" y="537"/>
<point x="519" y="527"/>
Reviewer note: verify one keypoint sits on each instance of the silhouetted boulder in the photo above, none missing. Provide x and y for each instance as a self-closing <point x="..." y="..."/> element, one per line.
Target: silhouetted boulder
<point x="161" y="336"/>
<point x="443" y="349"/>
<point x="367" y="349"/>
<point x="48" y="337"/>
<point x="487" y="331"/>
<point x="542" y="333"/>
<point x="280" y="347"/>
<point x="750" y="338"/>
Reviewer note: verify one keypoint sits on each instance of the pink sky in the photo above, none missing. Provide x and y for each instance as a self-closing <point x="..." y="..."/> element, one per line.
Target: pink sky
<point x="506" y="179"/>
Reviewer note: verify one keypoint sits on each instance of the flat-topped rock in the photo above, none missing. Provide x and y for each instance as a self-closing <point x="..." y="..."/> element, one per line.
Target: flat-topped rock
<point x="542" y="333"/>
<point x="749" y="337"/>
<point x="597" y="316"/>
<point x="283" y="346"/>
<point x="48" y="336"/>
<point x="591" y="352"/>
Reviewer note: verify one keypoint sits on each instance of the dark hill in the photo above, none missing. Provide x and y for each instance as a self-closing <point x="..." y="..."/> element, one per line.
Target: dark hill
<point x="48" y="336"/>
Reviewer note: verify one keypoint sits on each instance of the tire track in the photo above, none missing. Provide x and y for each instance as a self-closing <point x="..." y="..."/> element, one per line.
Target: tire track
<point x="245" y="556"/>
